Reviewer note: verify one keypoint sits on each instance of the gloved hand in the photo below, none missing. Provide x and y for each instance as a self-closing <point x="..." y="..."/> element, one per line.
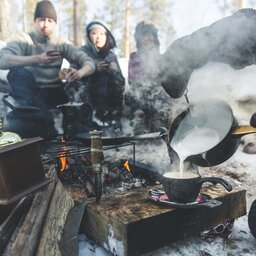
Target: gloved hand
<point x="253" y="120"/>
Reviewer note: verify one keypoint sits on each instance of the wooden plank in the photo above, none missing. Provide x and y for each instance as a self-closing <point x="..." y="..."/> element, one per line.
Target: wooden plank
<point x="69" y="244"/>
<point x="29" y="234"/>
<point x="129" y="224"/>
<point x="8" y="227"/>
<point x="60" y="205"/>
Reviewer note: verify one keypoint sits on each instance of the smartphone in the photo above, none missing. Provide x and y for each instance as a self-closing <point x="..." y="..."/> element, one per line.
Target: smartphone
<point x="53" y="53"/>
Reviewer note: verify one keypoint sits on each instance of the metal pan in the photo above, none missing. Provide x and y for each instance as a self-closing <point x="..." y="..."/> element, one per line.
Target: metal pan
<point x="107" y="141"/>
<point x="217" y="115"/>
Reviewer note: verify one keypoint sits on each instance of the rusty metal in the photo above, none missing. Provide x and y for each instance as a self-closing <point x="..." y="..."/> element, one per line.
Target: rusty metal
<point x="66" y="148"/>
<point x="118" y="140"/>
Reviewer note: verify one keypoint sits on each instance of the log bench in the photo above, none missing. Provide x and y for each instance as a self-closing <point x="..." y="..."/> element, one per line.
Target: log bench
<point x="129" y="224"/>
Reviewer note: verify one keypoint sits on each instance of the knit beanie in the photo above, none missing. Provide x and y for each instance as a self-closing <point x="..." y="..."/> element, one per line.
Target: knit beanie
<point x="45" y="9"/>
<point x="143" y="28"/>
<point x="95" y="25"/>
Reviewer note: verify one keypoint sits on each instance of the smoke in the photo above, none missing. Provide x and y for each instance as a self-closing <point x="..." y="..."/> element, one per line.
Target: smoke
<point x="231" y="40"/>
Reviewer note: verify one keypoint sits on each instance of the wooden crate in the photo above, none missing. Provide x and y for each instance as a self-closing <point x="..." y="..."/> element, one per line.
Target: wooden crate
<point x="129" y="224"/>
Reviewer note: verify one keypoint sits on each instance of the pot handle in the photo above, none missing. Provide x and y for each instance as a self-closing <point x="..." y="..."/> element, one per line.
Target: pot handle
<point x="243" y="130"/>
<point x="215" y="180"/>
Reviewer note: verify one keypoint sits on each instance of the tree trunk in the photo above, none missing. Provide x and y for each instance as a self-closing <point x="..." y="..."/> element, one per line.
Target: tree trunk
<point x="77" y="22"/>
<point x="5" y="8"/>
<point x="127" y="28"/>
<point x="60" y="19"/>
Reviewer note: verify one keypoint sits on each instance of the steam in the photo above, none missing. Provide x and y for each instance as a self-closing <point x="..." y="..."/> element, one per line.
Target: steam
<point x="147" y="104"/>
<point x="231" y="40"/>
<point x="216" y="61"/>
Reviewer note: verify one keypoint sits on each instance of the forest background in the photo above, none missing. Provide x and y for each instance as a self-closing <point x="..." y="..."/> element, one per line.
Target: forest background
<point x="173" y="18"/>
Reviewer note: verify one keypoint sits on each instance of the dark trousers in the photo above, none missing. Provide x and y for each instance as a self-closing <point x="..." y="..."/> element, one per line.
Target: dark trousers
<point x="26" y="93"/>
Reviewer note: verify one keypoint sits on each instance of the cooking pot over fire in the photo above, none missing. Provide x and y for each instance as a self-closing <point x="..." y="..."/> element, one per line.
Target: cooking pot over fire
<point x="74" y="111"/>
<point x="207" y="133"/>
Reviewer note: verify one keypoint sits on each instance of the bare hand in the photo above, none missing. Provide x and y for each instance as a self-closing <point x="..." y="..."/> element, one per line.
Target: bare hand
<point x="102" y="65"/>
<point x="50" y="56"/>
<point x="73" y="74"/>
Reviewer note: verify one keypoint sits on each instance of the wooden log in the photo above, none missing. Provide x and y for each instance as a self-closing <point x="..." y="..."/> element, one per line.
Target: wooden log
<point x="8" y="227"/>
<point x="41" y="230"/>
<point x="129" y="224"/>
<point x="29" y="234"/>
<point x="60" y="205"/>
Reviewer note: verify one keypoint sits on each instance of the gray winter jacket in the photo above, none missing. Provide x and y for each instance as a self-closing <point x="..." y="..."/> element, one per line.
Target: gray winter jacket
<point x="46" y="75"/>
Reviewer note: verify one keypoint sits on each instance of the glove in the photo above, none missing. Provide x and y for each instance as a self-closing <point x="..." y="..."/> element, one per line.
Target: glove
<point x="253" y="120"/>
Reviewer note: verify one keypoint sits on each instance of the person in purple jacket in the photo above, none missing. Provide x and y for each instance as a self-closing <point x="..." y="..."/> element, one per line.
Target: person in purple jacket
<point x="145" y="92"/>
<point x="142" y="62"/>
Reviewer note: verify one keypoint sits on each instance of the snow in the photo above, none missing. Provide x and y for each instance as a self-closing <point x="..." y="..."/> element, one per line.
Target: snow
<point x="3" y="73"/>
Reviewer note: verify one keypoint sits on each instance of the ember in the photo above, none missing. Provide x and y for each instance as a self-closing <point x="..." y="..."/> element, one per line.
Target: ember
<point x="75" y="170"/>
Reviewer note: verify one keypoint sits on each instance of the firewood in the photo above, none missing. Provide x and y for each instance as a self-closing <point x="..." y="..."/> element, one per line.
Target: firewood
<point x="60" y="205"/>
<point x="8" y="227"/>
<point x="29" y="234"/>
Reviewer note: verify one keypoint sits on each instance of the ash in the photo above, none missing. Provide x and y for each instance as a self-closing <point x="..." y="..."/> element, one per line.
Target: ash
<point x="120" y="171"/>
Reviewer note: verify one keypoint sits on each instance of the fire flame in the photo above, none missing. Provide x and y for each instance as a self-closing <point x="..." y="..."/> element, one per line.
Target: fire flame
<point x="126" y="165"/>
<point x="63" y="160"/>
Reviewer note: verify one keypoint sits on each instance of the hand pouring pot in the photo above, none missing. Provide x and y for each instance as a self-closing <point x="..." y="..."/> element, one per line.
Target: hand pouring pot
<point x="218" y="116"/>
<point x="186" y="190"/>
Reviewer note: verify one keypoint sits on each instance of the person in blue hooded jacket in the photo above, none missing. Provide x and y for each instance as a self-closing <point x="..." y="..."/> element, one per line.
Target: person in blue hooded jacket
<point x="106" y="85"/>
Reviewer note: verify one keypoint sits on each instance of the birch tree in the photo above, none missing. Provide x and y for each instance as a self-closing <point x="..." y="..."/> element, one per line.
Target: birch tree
<point x="28" y="14"/>
<point x="127" y="28"/>
<point x="159" y="13"/>
<point x="5" y="23"/>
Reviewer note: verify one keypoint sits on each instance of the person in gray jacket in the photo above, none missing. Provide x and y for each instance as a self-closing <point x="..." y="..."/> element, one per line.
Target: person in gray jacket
<point x="34" y="60"/>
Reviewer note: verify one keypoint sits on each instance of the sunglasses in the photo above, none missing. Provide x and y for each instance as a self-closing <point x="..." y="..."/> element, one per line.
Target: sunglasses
<point x="223" y="230"/>
<point x="225" y="227"/>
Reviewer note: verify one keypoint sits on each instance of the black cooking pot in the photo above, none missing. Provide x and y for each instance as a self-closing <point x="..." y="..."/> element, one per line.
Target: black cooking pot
<point x="75" y="111"/>
<point x="218" y="116"/>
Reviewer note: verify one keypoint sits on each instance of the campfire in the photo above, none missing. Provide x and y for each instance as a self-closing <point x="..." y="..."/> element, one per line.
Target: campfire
<point x="73" y="163"/>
